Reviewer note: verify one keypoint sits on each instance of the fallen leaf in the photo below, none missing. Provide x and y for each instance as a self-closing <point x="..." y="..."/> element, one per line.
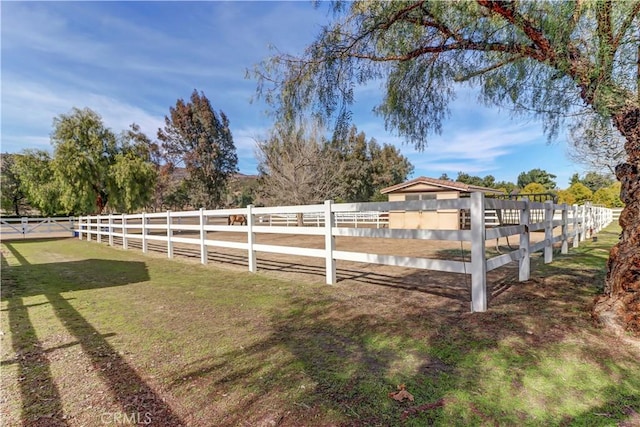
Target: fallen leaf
<point x="401" y="394"/>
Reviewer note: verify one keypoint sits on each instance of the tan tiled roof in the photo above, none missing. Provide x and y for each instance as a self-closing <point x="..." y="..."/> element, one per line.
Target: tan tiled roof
<point x="445" y="184"/>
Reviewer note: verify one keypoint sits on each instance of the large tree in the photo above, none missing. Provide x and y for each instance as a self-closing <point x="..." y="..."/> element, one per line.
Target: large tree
<point x="549" y="59"/>
<point x="368" y="167"/>
<point x="200" y="139"/>
<point x="94" y="168"/>
<point x="84" y="150"/>
<point x="133" y="171"/>
<point x="297" y="166"/>
<point x="12" y="194"/>
<point x="540" y="176"/>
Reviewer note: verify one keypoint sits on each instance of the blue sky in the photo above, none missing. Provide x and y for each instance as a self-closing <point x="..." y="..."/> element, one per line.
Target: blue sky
<point x="131" y="61"/>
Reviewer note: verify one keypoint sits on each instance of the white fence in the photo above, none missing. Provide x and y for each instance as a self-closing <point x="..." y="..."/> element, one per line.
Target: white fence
<point x="575" y="223"/>
<point x="375" y="219"/>
<point x="36" y="226"/>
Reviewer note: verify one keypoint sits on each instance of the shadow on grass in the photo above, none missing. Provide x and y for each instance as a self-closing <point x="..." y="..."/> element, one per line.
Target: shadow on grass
<point x="44" y="407"/>
<point x="41" y="404"/>
<point x="338" y="362"/>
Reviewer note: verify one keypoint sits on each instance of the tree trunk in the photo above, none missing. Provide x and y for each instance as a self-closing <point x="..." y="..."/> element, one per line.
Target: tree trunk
<point x="619" y="307"/>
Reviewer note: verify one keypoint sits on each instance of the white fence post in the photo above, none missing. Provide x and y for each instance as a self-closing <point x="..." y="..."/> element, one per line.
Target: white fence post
<point x="125" y="242"/>
<point x="576" y="228"/>
<point x="583" y="223"/>
<point x="524" y="264"/>
<point x="565" y="229"/>
<point x="144" y="232"/>
<point x="72" y="223"/>
<point x="251" y="239"/>
<point x="203" y="236"/>
<point x="478" y="256"/>
<point x="329" y="244"/>
<point x="99" y="228"/>
<point x="79" y="228"/>
<point x="169" y="236"/>
<point x="110" y="229"/>
<point x="548" y="231"/>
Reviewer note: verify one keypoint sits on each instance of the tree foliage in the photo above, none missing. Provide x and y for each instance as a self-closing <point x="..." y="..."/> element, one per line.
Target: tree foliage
<point x="539" y="176"/>
<point x="12" y="195"/>
<point x="133" y="172"/>
<point x="534" y="188"/>
<point x="199" y="138"/>
<point x="593" y="180"/>
<point x="39" y="183"/>
<point x="580" y="193"/>
<point x="595" y="143"/>
<point x="84" y="150"/>
<point x="93" y="167"/>
<point x="488" y="181"/>
<point x="608" y="196"/>
<point x="528" y="55"/>
<point x="368" y="167"/>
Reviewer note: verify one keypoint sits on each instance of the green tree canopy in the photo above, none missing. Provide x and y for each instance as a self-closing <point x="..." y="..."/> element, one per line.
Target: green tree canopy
<point x="488" y="181"/>
<point x="94" y="168"/>
<point x="534" y="188"/>
<point x="199" y="138"/>
<point x="12" y="193"/>
<point x="608" y="196"/>
<point x="580" y="193"/>
<point x="539" y="176"/>
<point x="38" y="181"/>
<point x="368" y="166"/>
<point x="593" y="180"/>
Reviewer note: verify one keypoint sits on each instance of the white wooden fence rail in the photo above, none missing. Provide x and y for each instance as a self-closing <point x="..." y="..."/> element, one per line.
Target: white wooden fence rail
<point x="576" y="224"/>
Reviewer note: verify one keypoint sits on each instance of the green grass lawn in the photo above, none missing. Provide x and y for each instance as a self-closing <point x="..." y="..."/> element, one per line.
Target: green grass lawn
<point x="93" y="335"/>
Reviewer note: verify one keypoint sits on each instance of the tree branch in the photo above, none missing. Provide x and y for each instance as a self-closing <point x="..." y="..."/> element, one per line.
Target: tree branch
<point x="635" y="12"/>
<point x="523" y="51"/>
<point x="507" y="11"/>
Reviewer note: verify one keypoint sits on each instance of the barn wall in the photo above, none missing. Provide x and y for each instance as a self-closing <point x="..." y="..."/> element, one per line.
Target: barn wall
<point x="444" y="219"/>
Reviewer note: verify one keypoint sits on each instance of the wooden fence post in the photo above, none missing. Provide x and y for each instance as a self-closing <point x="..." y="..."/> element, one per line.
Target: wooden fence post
<point x="99" y="228"/>
<point x="79" y="228"/>
<point x="548" y="231"/>
<point x="329" y="244"/>
<point x="524" y="263"/>
<point x="478" y="256"/>
<point x="169" y="236"/>
<point x="251" y="239"/>
<point x="110" y="229"/>
<point x="203" y="236"/>
<point x="125" y="241"/>
<point x="144" y="232"/>
<point x="565" y="229"/>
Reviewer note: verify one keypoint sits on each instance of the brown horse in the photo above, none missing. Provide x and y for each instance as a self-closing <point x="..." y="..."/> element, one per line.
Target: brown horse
<point x="237" y="218"/>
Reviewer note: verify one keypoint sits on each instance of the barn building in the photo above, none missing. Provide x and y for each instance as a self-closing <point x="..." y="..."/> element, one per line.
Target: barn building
<point x="424" y="188"/>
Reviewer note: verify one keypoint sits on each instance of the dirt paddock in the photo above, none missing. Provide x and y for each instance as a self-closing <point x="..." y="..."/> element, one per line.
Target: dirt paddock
<point x="452" y="289"/>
